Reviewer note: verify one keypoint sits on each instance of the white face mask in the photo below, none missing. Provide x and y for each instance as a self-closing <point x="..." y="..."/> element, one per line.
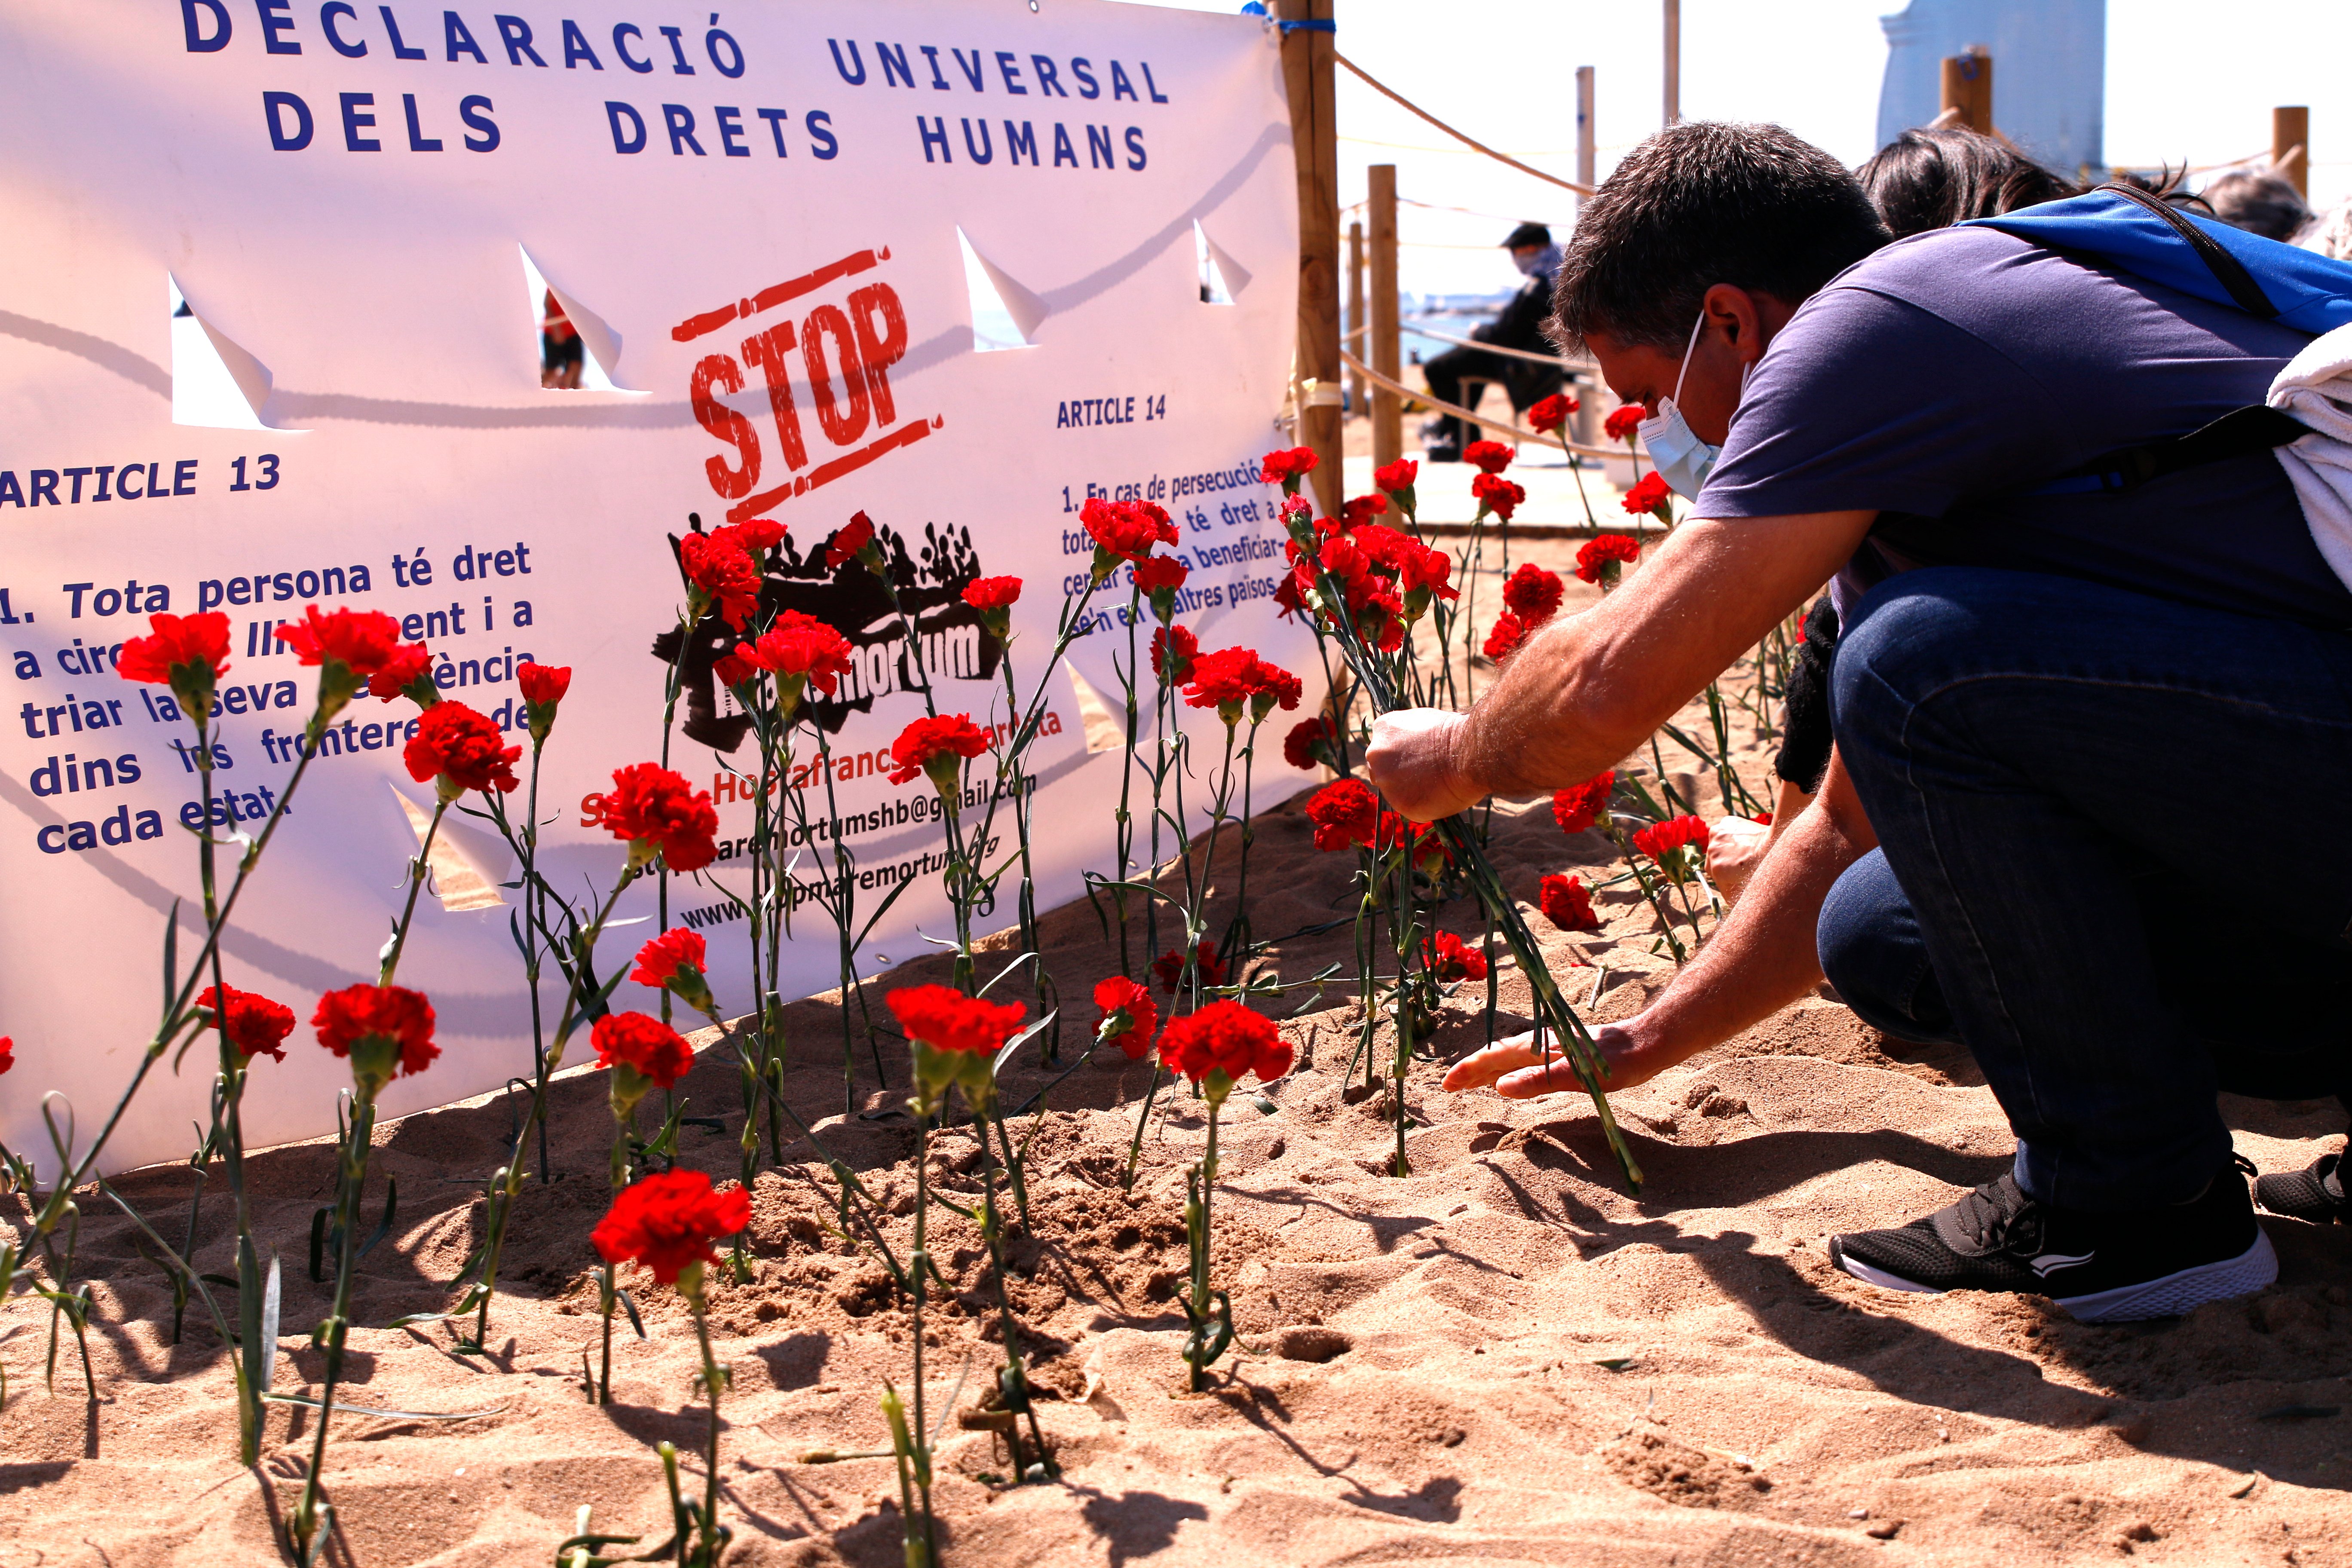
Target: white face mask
<point x="1682" y="459"/>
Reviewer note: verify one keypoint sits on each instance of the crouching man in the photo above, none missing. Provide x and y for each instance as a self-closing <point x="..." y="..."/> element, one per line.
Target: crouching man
<point x="2060" y="717"/>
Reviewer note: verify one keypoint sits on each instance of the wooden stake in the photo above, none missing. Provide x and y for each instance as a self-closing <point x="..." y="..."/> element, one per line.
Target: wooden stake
<point x="2291" y="146"/>
<point x="1388" y="410"/>
<point x="1307" y="70"/>
<point x="1586" y="162"/>
<point x="1968" y="87"/>
<point x="1356" y="314"/>
<point x="1674" y="67"/>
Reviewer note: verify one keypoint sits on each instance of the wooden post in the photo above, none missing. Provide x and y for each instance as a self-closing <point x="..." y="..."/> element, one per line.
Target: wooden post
<point x="1380" y="344"/>
<point x="1357" y="336"/>
<point x="1307" y="71"/>
<point x="2291" y="147"/>
<point x="1673" y="63"/>
<point x="1968" y="87"/>
<point x="1585" y="160"/>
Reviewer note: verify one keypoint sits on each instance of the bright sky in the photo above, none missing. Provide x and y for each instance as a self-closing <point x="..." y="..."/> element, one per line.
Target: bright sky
<point x="2180" y="88"/>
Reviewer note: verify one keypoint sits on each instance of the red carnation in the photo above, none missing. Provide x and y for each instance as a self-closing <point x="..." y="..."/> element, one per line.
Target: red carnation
<point x="991" y="592"/>
<point x="7" y="1052"/>
<point x="1533" y="594"/>
<point x="1124" y="531"/>
<point x="1422" y="570"/>
<point x="1497" y="495"/>
<point x="1224" y="681"/>
<point x="1624" y="421"/>
<point x="1157" y="578"/>
<point x="1311" y="743"/>
<point x="849" y="541"/>
<point x="718" y="575"/>
<point x="937" y="747"/>
<point x="670" y="1223"/>
<point x="947" y="1020"/>
<point x="1271" y="686"/>
<point x="644" y="1044"/>
<point x="754" y="538"/>
<point x="1567" y="903"/>
<point x="363" y="640"/>
<point x="1130" y="1016"/>
<point x="1344" y="812"/>
<point x="463" y="750"/>
<point x="734" y="667"/>
<point x="993" y="597"/>
<point x="1664" y="838"/>
<point x="660" y="814"/>
<point x="1169" y="967"/>
<point x="386" y="1031"/>
<point x="1362" y="509"/>
<point x="1286" y="468"/>
<point x="1550" y="414"/>
<point x="1449" y="958"/>
<point x="1579" y="806"/>
<point x="1397" y="475"/>
<point x="257" y="1026"/>
<point x="1652" y="496"/>
<point x="186" y="653"/>
<point x="800" y="647"/>
<point x="676" y="960"/>
<point x="407" y="673"/>
<point x="543" y="686"/>
<point x="1488" y="457"/>
<point x="1504" y="640"/>
<point x="1177" y="670"/>
<point x="1599" y="559"/>
<point x="1223" y="1043"/>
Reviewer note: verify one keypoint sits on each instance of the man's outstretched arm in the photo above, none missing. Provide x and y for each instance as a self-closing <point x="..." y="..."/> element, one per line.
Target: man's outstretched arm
<point x="1589" y="689"/>
<point x="1760" y="959"/>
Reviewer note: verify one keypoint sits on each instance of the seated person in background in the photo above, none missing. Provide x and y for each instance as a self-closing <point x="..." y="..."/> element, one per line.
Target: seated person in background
<point x="2259" y="204"/>
<point x="1518" y="325"/>
<point x="2034" y="696"/>
<point x="1924" y="179"/>
<point x="561" y="353"/>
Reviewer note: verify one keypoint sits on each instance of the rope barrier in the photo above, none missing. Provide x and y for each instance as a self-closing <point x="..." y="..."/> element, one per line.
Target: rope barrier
<point x="1558" y="361"/>
<point x="1369" y="81"/>
<point x="1481" y="420"/>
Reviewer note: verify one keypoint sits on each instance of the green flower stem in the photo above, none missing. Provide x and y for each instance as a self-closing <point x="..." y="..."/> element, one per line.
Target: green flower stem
<point x="314" y="1519"/>
<point x="418" y="869"/>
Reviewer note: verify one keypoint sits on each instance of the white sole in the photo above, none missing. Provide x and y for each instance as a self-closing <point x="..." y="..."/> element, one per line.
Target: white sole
<point x="2166" y="1296"/>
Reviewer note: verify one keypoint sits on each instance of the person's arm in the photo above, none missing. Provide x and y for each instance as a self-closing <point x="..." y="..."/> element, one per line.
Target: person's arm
<point x="1589" y="689"/>
<point x="1760" y="959"/>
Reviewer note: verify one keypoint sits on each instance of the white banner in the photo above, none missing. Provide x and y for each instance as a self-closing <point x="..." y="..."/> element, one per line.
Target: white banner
<point x="959" y="266"/>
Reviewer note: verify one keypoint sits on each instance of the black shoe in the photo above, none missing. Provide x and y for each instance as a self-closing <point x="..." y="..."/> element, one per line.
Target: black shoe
<point x="1440" y="453"/>
<point x="2316" y="1192"/>
<point x="2101" y="1268"/>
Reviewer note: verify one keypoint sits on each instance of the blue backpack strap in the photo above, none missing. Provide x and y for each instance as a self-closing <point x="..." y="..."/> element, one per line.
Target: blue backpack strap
<point x="2132" y="232"/>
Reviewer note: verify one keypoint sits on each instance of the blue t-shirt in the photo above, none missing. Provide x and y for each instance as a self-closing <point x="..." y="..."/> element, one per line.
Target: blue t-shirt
<point x="1936" y="380"/>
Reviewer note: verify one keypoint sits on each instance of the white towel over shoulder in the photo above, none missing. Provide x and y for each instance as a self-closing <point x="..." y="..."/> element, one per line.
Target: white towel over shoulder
<point x="2316" y="389"/>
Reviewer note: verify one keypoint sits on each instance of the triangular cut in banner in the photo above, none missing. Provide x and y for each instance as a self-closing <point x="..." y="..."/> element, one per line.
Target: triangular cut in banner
<point x="578" y="350"/>
<point x="215" y="384"/>
<point x="1004" y="315"/>
<point x="1221" y="278"/>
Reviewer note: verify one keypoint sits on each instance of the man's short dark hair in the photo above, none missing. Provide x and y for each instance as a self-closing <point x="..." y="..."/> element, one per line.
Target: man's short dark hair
<point x="1702" y="203"/>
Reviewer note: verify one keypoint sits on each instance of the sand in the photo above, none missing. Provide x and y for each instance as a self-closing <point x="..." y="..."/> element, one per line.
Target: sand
<point x="1502" y="1358"/>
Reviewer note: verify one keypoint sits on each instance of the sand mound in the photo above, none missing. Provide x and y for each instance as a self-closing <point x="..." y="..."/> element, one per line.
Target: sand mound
<point x="1501" y="1358"/>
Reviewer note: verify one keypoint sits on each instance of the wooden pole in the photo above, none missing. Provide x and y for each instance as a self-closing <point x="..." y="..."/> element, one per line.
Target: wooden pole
<point x="1388" y="411"/>
<point x="2291" y="146"/>
<point x="1307" y="71"/>
<point x="1356" y="312"/>
<point x="1673" y="65"/>
<point x="1968" y="87"/>
<point x="1585" y="160"/>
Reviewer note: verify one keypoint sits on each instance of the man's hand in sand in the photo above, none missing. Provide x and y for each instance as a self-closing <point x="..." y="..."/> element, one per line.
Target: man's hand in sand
<point x="1512" y="1069"/>
<point x="1412" y="759"/>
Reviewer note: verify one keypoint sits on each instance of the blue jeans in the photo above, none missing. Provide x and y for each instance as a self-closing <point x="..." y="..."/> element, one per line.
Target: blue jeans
<point x="2096" y="868"/>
